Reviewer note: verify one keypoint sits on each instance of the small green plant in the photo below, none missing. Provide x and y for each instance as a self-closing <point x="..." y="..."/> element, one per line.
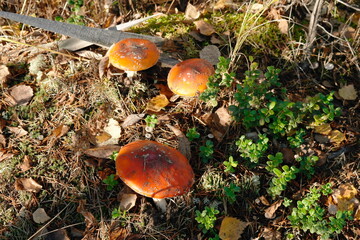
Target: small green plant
<point x="192" y="134"/>
<point x="118" y="213"/>
<point x="307" y="164"/>
<point x="282" y="176"/>
<point x="250" y="150"/>
<point x="230" y="165"/>
<point x="230" y="192"/>
<point x="75" y="18"/>
<point x="258" y="104"/>
<point x="222" y="77"/>
<point x="114" y="155"/>
<point x="151" y="121"/>
<point x="206" y="218"/>
<point x="207" y="151"/>
<point x="297" y="139"/>
<point x="310" y="216"/>
<point x="110" y="182"/>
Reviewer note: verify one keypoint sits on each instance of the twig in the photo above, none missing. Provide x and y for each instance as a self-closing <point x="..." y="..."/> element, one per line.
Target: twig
<point x="314" y="18"/>
<point x="348" y="5"/>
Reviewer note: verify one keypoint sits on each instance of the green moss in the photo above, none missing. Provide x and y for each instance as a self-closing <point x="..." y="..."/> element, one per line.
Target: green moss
<point x="170" y="26"/>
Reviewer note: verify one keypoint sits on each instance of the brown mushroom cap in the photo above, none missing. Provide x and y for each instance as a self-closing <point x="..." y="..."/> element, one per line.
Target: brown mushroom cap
<point x="154" y="170"/>
<point x="133" y="54"/>
<point x="189" y="77"/>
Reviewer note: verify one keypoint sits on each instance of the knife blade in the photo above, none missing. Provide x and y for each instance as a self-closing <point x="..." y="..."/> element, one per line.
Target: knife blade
<point x="99" y="36"/>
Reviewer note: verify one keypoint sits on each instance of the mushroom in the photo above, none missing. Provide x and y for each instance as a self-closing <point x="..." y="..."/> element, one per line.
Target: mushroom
<point x="154" y="170"/>
<point x="133" y="54"/>
<point x="189" y="77"/>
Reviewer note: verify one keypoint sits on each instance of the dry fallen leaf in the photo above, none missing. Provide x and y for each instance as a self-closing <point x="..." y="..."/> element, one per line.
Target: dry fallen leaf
<point x="184" y="143"/>
<point x="102" y="138"/>
<point x="132" y="119"/>
<point x="283" y="25"/>
<point x="90" y="220"/>
<point x="219" y="122"/>
<point x="165" y="90"/>
<point x="102" y="151"/>
<point x="4" y="73"/>
<point x="348" y="92"/>
<point x="157" y="103"/>
<point x="221" y="4"/>
<point x="270" y="211"/>
<point x="323" y="129"/>
<point x="127" y="201"/>
<point x="211" y="53"/>
<point x="60" y="131"/>
<point x="191" y="12"/>
<point x="118" y="234"/>
<point x="232" y="228"/>
<point x="336" y="136"/>
<point x="271" y="234"/>
<point x="22" y="94"/>
<point x="343" y="199"/>
<point x="103" y="66"/>
<point x="27" y="184"/>
<point x="204" y="28"/>
<point x="89" y="54"/>
<point x="26" y="164"/>
<point x="18" y="131"/>
<point x="5" y="155"/>
<point x="40" y="216"/>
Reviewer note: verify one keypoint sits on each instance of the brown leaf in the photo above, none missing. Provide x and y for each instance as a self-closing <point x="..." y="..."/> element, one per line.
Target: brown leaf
<point x="60" y="131"/>
<point x="264" y="201"/>
<point x="132" y="119"/>
<point x="348" y="92"/>
<point x="324" y="129"/>
<point x="103" y="137"/>
<point x="211" y="53"/>
<point x="165" y="90"/>
<point x="270" y="211"/>
<point x="271" y="234"/>
<point x="89" y="54"/>
<point x="27" y="184"/>
<point x="40" y="216"/>
<point x="102" y="151"/>
<point x="204" y="28"/>
<point x="357" y="214"/>
<point x="26" y="164"/>
<point x="4" y="73"/>
<point x="232" y="228"/>
<point x="90" y="220"/>
<point x="336" y="136"/>
<point x="18" y="131"/>
<point x="22" y="94"/>
<point x="2" y="141"/>
<point x="4" y="155"/>
<point x="103" y="66"/>
<point x="118" y="234"/>
<point x="191" y="12"/>
<point x="127" y="201"/>
<point x="184" y="143"/>
<point x="157" y="103"/>
<point x="220" y="122"/>
<point x="282" y="23"/>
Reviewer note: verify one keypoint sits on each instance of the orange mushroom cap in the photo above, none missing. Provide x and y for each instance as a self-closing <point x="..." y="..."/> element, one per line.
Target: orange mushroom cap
<point x="154" y="170"/>
<point x="189" y="77"/>
<point x="133" y="54"/>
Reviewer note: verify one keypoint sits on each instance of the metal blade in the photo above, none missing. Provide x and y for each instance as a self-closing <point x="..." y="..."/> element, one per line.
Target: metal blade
<point x="95" y="35"/>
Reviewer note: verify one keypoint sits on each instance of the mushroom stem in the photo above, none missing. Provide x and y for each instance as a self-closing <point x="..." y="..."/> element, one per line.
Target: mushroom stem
<point x="160" y="203"/>
<point x="131" y="74"/>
